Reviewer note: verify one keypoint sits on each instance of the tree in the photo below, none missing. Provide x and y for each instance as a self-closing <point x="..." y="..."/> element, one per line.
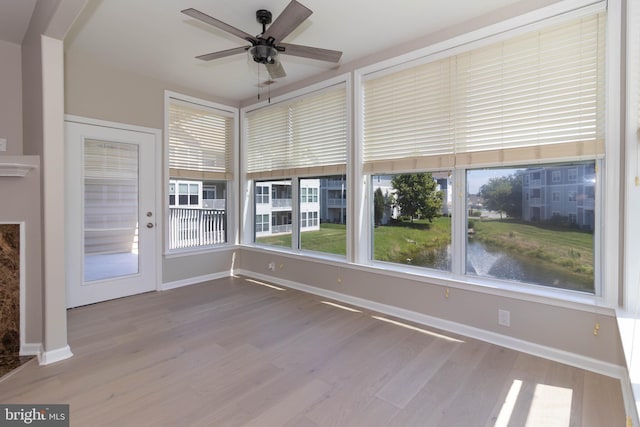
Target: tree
<point x="417" y="195"/>
<point x="503" y="195"/>
<point x="378" y="206"/>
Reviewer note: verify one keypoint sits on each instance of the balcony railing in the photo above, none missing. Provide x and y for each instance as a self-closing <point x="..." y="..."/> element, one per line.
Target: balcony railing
<point x="281" y="203"/>
<point x="190" y="228"/>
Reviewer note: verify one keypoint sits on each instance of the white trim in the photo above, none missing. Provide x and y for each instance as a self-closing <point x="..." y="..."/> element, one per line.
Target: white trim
<point x="107" y="124"/>
<point x="231" y="202"/>
<point x="194" y="280"/>
<point x="183" y="252"/>
<point x="52" y="356"/>
<point x="572" y="359"/>
<point x="490" y="34"/>
<point x="307" y="90"/>
<point x="15" y="169"/>
<point x="31" y="349"/>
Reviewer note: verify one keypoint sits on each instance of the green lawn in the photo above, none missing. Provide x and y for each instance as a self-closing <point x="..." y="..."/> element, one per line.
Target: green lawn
<point x="419" y="243"/>
<point x="565" y="248"/>
<point x="331" y="238"/>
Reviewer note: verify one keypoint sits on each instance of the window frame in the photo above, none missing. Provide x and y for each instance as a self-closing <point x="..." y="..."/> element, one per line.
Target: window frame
<point x="606" y="178"/>
<point x="359" y="181"/>
<point x="231" y="204"/>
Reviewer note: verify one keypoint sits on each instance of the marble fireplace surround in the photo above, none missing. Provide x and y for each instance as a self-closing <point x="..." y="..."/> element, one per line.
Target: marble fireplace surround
<point x="11" y="345"/>
<point x="20" y="194"/>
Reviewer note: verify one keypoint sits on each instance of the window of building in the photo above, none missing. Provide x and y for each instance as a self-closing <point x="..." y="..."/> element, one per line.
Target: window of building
<point x="555" y="177"/>
<point x="279" y="210"/>
<point x="262" y="223"/>
<point x="572" y="175"/>
<point x="555" y="196"/>
<point x="262" y="194"/>
<point x="323" y="214"/>
<point x="200" y="149"/>
<point x="571" y="196"/>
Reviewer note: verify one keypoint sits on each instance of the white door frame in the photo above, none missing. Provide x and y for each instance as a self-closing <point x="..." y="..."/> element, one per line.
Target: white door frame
<point x="71" y="251"/>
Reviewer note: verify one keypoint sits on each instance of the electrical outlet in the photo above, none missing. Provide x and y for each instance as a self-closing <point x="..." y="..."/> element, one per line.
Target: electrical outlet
<point x="504" y="317"/>
<point x="272" y="266"/>
<point x="3" y="144"/>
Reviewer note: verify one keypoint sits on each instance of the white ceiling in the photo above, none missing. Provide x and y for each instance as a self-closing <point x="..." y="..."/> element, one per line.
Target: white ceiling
<point x="152" y="37"/>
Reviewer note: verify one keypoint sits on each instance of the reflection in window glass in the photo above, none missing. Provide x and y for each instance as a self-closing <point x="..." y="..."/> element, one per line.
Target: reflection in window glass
<point x="533" y="224"/>
<point x="323" y="214"/>
<point x="412" y="222"/>
<point x="273" y="213"/>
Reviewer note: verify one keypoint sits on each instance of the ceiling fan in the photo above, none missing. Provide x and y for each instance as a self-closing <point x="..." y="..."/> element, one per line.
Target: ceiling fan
<point x="267" y="46"/>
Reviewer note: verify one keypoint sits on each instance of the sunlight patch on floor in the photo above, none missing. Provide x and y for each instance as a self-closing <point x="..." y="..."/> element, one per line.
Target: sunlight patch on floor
<point x="415" y="328"/>
<point x="343" y="307"/>
<point x="509" y="404"/>
<point x="257" y="282"/>
<point x="550" y="407"/>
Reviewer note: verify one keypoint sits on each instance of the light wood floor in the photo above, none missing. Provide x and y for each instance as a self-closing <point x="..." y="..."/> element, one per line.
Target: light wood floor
<point x="234" y="352"/>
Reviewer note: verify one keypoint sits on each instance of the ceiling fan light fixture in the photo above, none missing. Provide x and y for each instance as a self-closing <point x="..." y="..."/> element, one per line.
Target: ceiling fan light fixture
<point x="263" y="54"/>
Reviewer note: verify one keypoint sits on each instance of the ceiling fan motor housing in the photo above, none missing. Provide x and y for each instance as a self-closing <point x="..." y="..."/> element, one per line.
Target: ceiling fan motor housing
<point x="263" y="17"/>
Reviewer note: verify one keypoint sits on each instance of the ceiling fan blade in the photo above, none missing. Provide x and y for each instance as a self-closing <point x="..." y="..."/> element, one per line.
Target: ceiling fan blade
<point x="291" y="17"/>
<point x="203" y="17"/>
<point x="275" y="70"/>
<point x="222" y="53"/>
<point x="311" y="52"/>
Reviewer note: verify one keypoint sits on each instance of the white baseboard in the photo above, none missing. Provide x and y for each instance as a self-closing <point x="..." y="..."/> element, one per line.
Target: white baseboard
<point x="193" y="280"/>
<point x="572" y="359"/>
<point x="31" y="349"/>
<point x="52" y="356"/>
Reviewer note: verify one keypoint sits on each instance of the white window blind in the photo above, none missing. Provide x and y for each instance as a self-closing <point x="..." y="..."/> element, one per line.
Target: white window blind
<point x="535" y="96"/>
<point x="303" y="136"/>
<point x="200" y="141"/>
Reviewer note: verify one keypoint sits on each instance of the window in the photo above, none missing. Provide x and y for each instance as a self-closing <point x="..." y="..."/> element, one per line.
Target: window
<point x="571" y="196"/>
<point x="262" y="194"/>
<point x="532" y="99"/>
<point x="278" y="210"/>
<point x="262" y="223"/>
<point x="186" y="193"/>
<point x="411" y="221"/>
<point x="519" y="240"/>
<point x="297" y="138"/>
<point x="200" y="147"/>
<point x="323" y="214"/>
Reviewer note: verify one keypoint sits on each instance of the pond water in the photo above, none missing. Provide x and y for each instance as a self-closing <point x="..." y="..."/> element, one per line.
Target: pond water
<point x="483" y="261"/>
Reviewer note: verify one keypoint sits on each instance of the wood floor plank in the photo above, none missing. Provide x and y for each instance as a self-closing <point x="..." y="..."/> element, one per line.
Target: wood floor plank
<point x="232" y="352"/>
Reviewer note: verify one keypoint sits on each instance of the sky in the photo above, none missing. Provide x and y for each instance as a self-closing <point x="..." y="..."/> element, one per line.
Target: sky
<point x="478" y="177"/>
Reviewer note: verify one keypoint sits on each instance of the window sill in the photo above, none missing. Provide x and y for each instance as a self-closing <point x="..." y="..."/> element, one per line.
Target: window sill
<point x="531" y="293"/>
<point x="524" y="292"/>
<point x="177" y="253"/>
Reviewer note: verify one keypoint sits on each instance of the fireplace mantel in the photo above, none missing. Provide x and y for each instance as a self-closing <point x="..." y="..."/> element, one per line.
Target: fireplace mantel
<point x="17" y="166"/>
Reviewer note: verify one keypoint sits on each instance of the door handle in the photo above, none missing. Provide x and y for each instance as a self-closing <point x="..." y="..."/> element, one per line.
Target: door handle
<point x="149" y="225"/>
